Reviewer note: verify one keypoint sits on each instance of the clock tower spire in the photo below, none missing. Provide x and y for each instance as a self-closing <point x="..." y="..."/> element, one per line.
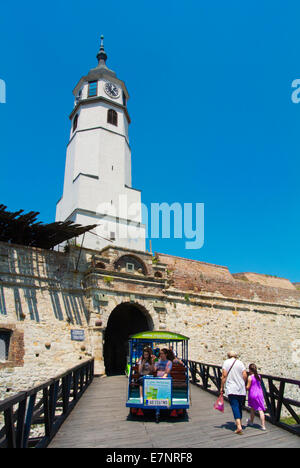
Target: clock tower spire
<point x="101" y="56"/>
<point x="97" y="184"/>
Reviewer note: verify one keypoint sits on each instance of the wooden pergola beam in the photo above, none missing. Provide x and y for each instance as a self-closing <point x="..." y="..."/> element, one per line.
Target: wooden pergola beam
<point x="19" y="228"/>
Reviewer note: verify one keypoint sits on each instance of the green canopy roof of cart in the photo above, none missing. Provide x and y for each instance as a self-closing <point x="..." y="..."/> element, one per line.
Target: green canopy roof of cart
<point x="159" y="335"/>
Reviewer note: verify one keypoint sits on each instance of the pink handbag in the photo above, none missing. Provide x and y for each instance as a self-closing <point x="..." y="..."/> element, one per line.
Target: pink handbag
<point x="219" y="405"/>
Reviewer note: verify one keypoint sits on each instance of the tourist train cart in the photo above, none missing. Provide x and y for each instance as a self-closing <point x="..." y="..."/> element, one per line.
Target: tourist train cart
<point x="169" y="394"/>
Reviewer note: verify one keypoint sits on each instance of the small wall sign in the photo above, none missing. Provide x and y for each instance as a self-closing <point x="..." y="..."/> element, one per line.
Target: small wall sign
<point x="77" y="335"/>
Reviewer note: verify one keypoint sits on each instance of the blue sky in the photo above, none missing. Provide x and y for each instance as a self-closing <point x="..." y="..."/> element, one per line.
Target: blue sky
<point x="212" y="117"/>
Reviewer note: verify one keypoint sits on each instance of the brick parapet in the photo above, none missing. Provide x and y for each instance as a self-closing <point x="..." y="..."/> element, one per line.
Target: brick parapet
<point x="194" y="276"/>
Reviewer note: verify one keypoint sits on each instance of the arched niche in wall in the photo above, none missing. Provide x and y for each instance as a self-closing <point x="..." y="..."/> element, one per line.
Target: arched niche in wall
<point x="130" y="264"/>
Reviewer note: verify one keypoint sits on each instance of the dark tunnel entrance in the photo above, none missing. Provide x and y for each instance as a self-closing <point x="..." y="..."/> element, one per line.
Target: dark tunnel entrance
<point x="125" y="320"/>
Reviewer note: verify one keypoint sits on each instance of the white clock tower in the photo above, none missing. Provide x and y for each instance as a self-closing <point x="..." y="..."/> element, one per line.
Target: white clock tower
<point x="97" y="183"/>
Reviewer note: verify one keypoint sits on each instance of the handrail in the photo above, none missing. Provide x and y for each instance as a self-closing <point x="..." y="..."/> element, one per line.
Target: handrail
<point x="273" y="387"/>
<point x="47" y="405"/>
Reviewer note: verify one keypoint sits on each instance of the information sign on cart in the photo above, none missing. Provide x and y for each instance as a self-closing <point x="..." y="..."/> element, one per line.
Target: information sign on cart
<point x="157" y="392"/>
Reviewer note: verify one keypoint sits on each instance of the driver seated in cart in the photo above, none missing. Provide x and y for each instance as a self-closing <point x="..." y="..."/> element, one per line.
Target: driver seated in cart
<point x="164" y="365"/>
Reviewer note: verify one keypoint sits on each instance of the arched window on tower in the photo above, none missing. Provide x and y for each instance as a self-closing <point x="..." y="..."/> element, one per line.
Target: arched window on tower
<point x="112" y="117"/>
<point x="75" y="122"/>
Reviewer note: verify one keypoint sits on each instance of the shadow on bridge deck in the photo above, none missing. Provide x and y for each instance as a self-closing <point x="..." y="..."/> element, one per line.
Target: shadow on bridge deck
<point x="100" y="420"/>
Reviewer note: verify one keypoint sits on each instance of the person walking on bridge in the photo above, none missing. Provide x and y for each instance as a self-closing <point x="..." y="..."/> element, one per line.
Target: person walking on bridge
<point x="234" y="378"/>
<point x="256" y="399"/>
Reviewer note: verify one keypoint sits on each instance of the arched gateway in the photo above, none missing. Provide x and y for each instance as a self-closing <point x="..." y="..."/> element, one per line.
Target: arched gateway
<point x="125" y="320"/>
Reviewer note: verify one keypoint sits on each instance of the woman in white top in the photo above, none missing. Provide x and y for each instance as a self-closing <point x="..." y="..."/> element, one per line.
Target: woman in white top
<point x="234" y="378"/>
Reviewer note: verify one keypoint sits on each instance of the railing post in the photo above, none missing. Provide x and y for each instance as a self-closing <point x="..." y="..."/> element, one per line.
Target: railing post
<point x="47" y="422"/>
<point x="192" y="370"/>
<point x="280" y="400"/>
<point x="66" y="387"/>
<point x="272" y="401"/>
<point x="28" y="420"/>
<point x="203" y="375"/>
<point x="218" y="379"/>
<point x="53" y="400"/>
<point x="81" y="379"/>
<point x="10" y="428"/>
<point x="92" y="369"/>
<point x="75" y="384"/>
<point x="20" y="422"/>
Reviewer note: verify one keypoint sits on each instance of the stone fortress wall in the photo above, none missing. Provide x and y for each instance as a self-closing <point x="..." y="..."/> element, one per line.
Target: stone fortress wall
<point x="46" y="294"/>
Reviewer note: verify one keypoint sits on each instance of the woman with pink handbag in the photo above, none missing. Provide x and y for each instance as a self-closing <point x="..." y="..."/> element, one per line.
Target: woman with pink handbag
<point x="234" y="378"/>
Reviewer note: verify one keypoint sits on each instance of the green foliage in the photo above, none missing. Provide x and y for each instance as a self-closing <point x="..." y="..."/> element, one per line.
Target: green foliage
<point x="187" y="297"/>
<point x="155" y="260"/>
<point x="289" y="420"/>
<point x="108" y="279"/>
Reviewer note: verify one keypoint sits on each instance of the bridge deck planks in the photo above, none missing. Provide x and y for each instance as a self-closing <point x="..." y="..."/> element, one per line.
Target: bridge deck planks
<point x="100" y="420"/>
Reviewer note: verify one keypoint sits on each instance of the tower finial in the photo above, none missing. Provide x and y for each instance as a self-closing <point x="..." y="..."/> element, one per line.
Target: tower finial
<point x="101" y="56"/>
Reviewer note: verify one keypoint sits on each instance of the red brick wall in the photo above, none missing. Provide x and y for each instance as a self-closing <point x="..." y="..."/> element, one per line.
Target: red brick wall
<point x="191" y="275"/>
<point x="16" y="347"/>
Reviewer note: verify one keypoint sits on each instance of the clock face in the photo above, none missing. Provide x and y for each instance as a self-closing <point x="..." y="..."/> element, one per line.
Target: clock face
<point x="111" y="89"/>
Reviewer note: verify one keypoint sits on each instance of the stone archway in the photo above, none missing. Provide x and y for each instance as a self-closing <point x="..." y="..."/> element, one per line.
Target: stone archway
<point x="125" y="320"/>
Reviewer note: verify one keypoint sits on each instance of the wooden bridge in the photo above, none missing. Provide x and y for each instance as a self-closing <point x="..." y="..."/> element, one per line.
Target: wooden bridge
<point x="101" y="420"/>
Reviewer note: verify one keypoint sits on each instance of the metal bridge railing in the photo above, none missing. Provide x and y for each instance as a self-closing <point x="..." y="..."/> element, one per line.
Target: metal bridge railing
<point x="32" y="418"/>
<point x="276" y="390"/>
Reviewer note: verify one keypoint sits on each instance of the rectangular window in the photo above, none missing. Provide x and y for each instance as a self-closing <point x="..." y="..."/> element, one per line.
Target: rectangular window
<point x="93" y="88"/>
<point x="4" y="345"/>
<point x="129" y="267"/>
<point x="112" y="236"/>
